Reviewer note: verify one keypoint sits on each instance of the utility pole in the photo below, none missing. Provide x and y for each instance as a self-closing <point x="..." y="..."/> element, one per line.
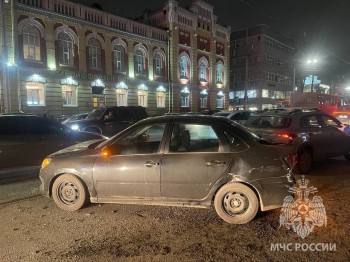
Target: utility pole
<point x="4" y="61"/>
<point x="245" y="103"/>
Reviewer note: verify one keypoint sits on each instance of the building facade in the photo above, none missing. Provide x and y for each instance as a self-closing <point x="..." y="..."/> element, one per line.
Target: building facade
<point x="262" y="68"/>
<point x="62" y="58"/>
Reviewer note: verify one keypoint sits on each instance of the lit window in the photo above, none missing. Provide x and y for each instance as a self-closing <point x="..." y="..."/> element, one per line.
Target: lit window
<point x="139" y="62"/>
<point x="220" y="100"/>
<point x="31" y="43"/>
<point x="219" y="71"/>
<point x="185" y="97"/>
<point x="142" y="98"/>
<point x="118" y="54"/>
<point x="160" y="99"/>
<point x="157" y="65"/>
<point x="35" y="94"/>
<point x="69" y="95"/>
<point x="65" y="46"/>
<point x="122" y="97"/>
<point x="203" y="98"/>
<point x="94" y="54"/>
<point x="183" y="67"/>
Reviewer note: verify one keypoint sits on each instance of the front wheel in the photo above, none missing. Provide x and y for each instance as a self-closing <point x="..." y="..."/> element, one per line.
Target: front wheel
<point x="69" y="193"/>
<point x="236" y="203"/>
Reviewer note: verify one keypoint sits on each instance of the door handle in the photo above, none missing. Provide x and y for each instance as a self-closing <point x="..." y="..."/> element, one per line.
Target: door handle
<point x="310" y="134"/>
<point x="215" y="163"/>
<point x="151" y="163"/>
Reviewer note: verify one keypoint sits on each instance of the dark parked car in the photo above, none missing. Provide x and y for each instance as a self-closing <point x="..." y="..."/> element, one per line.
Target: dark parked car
<point x="109" y="121"/>
<point x="75" y="118"/>
<point x="26" y="139"/>
<point x="193" y="161"/>
<point x="314" y="134"/>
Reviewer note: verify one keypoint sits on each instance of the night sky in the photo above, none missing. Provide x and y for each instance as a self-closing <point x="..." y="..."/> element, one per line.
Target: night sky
<point x="322" y="24"/>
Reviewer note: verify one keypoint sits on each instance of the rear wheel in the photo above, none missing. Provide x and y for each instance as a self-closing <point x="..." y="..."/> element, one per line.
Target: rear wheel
<point x="69" y="193"/>
<point x="304" y="163"/>
<point x="236" y="203"/>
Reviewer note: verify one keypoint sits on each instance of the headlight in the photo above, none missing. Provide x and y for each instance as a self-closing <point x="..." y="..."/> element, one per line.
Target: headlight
<point x="75" y="127"/>
<point x="46" y="162"/>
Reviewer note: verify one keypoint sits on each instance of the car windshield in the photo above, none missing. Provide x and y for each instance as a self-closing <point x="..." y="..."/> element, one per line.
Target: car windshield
<point x="268" y="121"/>
<point x="96" y="114"/>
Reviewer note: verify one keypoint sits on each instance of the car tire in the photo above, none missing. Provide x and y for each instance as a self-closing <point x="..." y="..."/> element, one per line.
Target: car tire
<point x="304" y="162"/>
<point x="236" y="203"/>
<point x="69" y="193"/>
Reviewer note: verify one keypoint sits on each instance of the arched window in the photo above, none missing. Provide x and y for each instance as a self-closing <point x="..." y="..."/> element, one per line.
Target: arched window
<point x="118" y="58"/>
<point x="31" y="43"/>
<point x="219" y="73"/>
<point x="158" y="68"/>
<point x="183" y="67"/>
<point x="139" y="62"/>
<point x="94" y="54"/>
<point x="65" y="45"/>
<point x="185" y="97"/>
<point x="203" y="66"/>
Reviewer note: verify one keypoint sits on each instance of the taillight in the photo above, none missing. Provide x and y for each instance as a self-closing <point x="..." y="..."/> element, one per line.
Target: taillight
<point x="286" y="135"/>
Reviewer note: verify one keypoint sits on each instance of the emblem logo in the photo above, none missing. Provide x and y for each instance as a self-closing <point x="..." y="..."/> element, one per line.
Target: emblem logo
<point x="302" y="214"/>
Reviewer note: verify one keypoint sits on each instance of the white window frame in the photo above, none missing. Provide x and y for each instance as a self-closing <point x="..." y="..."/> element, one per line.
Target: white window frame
<point x="69" y="96"/>
<point x="35" y="94"/>
<point x="142" y="98"/>
<point x="65" y="43"/>
<point x="122" y="97"/>
<point x="183" y="66"/>
<point x="118" y="58"/>
<point x="160" y="99"/>
<point x="139" y="60"/>
<point x="95" y="54"/>
<point x="31" y="43"/>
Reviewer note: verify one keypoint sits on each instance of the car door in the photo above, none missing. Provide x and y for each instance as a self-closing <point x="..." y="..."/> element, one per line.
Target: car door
<point x="311" y="133"/>
<point x="132" y="168"/>
<point x="195" y="159"/>
<point x="338" y="139"/>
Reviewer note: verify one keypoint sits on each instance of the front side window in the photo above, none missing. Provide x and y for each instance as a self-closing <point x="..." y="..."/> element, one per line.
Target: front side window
<point x="35" y="94"/>
<point x="143" y="140"/>
<point x="94" y="54"/>
<point x="65" y="45"/>
<point x="330" y="122"/>
<point x="118" y="54"/>
<point x="122" y="97"/>
<point x="31" y="43"/>
<point x="69" y="95"/>
<point x="139" y="62"/>
<point x="142" y="98"/>
<point x="160" y="99"/>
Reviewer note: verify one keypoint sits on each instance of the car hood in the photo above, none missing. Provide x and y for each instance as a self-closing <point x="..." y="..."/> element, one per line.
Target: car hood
<point x="76" y="148"/>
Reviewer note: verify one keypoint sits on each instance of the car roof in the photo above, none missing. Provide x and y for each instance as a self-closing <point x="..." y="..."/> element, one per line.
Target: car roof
<point x="194" y="118"/>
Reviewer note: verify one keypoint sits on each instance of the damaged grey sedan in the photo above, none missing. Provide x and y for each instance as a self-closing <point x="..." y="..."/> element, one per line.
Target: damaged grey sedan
<point x="191" y="161"/>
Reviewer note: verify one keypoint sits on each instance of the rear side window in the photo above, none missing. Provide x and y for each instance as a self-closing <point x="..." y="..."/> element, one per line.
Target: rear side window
<point x="309" y="121"/>
<point x="268" y="121"/>
<point x="241" y="116"/>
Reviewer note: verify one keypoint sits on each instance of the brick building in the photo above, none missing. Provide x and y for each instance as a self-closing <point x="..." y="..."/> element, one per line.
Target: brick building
<point x="64" y="58"/>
